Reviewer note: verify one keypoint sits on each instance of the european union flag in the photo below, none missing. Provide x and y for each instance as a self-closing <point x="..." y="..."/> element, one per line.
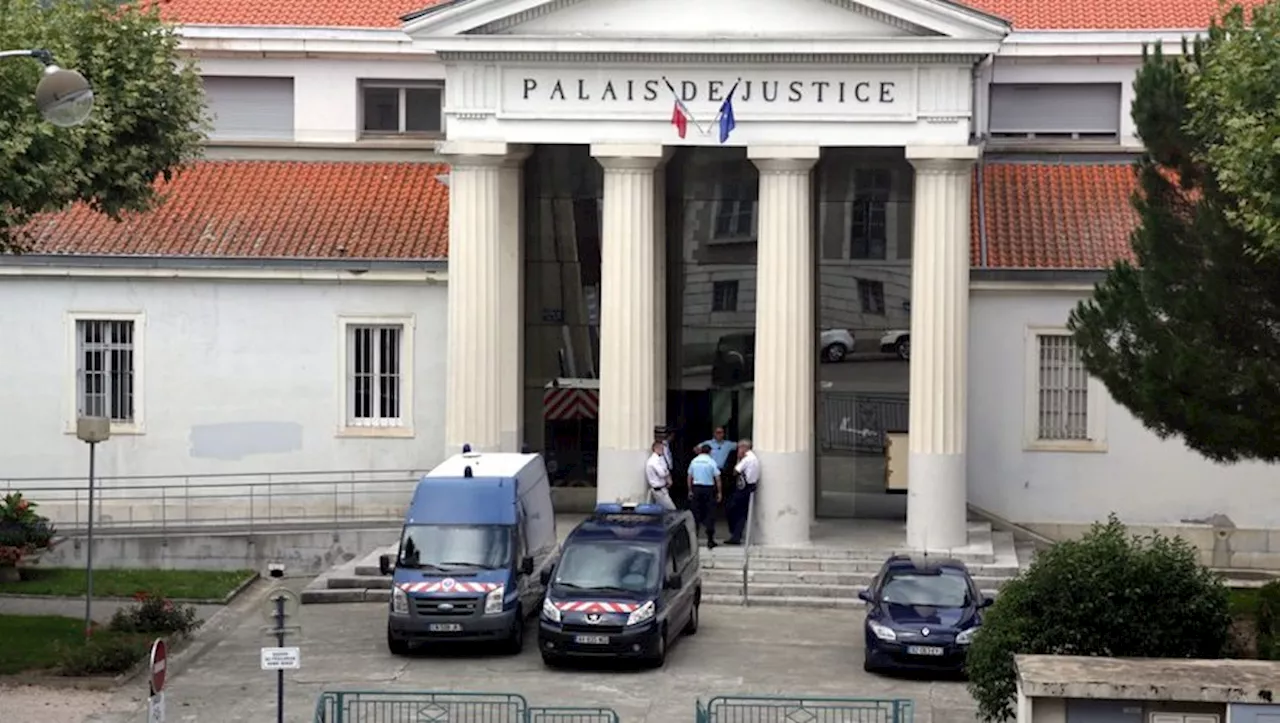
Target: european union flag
<point x="727" y="121"/>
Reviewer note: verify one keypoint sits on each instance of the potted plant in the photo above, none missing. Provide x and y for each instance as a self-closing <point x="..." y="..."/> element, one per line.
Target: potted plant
<point x="24" y="535"/>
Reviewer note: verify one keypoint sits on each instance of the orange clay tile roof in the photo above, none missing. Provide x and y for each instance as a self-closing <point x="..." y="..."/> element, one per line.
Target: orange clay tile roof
<point x="271" y="209"/>
<point x="1024" y="14"/>
<point x="1055" y="216"/>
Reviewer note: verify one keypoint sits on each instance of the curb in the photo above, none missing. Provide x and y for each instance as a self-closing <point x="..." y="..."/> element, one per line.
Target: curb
<point x="224" y="600"/>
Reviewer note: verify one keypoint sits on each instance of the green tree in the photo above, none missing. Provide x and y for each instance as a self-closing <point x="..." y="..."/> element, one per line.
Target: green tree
<point x="1107" y="594"/>
<point x="148" y="117"/>
<point x="1187" y="336"/>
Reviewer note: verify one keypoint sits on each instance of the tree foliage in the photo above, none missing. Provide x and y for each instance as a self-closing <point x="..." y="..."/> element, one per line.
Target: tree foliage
<point x="148" y="117"/>
<point x="1106" y="594"/>
<point x="1187" y="337"/>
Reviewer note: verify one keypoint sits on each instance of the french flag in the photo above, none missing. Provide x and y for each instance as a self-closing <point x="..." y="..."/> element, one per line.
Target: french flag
<point x="680" y="115"/>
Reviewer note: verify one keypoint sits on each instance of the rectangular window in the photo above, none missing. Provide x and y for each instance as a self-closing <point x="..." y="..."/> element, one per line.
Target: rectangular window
<point x="736" y="206"/>
<point x="869" y="236"/>
<point x="1055" y="111"/>
<point x="249" y="108"/>
<point x="1065" y="405"/>
<point x="871" y="293"/>
<point x="377" y="376"/>
<point x="402" y="108"/>
<point x="724" y="295"/>
<point x="105" y="371"/>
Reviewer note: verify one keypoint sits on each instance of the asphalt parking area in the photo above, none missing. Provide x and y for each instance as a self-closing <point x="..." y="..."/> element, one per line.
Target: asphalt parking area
<point x="738" y="651"/>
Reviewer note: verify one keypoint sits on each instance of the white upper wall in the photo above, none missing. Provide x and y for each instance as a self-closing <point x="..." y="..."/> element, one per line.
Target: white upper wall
<point x="1129" y="471"/>
<point x="238" y="377"/>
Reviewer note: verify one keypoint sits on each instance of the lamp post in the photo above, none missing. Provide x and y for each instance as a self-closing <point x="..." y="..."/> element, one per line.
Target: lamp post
<point x="91" y="430"/>
<point x="63" y="96"/>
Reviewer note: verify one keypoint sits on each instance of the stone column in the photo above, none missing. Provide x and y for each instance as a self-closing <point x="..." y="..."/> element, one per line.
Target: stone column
<point x="629" y="304"/>
<point x="786" y="344"/>
<point x="484" y="235"/>
<point x="936" y="498"/>
<point x="511" y="289"/>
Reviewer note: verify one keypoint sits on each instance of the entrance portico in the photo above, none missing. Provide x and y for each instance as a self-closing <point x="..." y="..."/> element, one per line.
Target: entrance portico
<point x="806" y="75"/>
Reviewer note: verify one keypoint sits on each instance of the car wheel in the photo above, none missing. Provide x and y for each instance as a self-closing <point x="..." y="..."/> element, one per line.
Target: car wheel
<point x="550" y="660"/>
<point x="903" y="348"/>
<point x="515" y="643"/>
<point x="692" y="627"/>
<point x="867" y="665"/>
<point x="835" y="352"/>
<point x="397" y="646"/>
<point x="660" y="655"/>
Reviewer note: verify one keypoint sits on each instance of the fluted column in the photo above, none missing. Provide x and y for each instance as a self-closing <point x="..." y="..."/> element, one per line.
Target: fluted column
<point x="629" y="306"/>
<point x="511" y="290"/>
<point x="482" y="387"/>
<point x="936" y="498"/>
<point x="785" y="344"/>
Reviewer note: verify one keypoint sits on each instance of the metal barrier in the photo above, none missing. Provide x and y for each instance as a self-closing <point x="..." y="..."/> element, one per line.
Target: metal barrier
<point x="361" y="706"/>
<point x="245" y="500"/>
<point x="571" y="715"/>
<point x="768" y="709"/>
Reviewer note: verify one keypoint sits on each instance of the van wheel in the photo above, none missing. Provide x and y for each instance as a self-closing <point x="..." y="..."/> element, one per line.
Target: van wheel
<point x="397" y="646"/>
<point x="515" y="643"/>
<point x="660" y="655"/>
<point x="692" y="627"/>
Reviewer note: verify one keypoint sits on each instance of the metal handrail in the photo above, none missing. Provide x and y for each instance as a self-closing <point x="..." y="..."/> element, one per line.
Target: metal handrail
<point x="746" y="547"/>
<point x="369" y="496"/>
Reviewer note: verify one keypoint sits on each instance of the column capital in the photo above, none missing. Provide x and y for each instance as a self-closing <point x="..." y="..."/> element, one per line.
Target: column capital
<point x="484" y="153"/>
<point x="630" y="156"/>
<point x="955" y="159"/>
<point x="783" y="159"/>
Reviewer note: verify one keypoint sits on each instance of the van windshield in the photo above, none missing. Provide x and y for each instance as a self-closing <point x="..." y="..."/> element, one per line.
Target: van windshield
<point x="618" y="567"/>
<point x="453" y="547"/>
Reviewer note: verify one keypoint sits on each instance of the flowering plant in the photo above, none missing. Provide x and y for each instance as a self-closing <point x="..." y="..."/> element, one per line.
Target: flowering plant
<point x="22" y="531"/>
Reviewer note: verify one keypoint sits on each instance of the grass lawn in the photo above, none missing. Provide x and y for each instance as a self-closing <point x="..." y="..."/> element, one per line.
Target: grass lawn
<point x="34" y="642"/>
<point x="187" y="584"/>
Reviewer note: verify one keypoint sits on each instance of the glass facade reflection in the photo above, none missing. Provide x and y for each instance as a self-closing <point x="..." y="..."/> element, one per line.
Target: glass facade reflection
<point x="563" y="187"/>
<point x="864" y="217"/>
<point x="712" y="205"/>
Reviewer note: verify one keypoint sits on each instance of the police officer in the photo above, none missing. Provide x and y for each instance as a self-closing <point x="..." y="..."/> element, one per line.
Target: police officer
<point x="746" y="473"/>
<point x="704" y="491"/>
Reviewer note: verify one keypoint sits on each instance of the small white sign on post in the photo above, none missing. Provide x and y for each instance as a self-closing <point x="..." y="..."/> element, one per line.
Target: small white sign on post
<point x="155" y="708"/>
<point x="281" y="659"/>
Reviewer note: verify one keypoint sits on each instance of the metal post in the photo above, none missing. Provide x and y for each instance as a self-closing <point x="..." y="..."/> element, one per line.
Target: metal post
<point x="280" y="673"/>
<point x="88" y="563"/>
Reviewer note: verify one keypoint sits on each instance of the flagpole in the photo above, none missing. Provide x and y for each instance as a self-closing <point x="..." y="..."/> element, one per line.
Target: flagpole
<point x="684" y="108"/>
<point x="728" y="97"/>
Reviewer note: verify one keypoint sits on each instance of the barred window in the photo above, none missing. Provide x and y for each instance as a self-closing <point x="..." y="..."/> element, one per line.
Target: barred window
<point x="1063" y="389"/>
<point x="374" y="376"/>
<point x="105" y="369"/>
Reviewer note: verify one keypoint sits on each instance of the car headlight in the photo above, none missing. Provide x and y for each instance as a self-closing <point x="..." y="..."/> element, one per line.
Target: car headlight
<point x="641" y="614"/>
<point x="550" y="611"/>
<point x="493" y="602"/>
<point x="399" y="601"/>
<point x="966" y="636"/>
<point x="884" y="632"/>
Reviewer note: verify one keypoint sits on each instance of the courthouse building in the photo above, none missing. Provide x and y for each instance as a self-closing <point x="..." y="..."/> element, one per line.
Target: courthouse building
<point x="849" y="230"/>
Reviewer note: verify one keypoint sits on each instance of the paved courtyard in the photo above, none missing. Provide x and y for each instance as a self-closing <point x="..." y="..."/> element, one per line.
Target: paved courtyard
<point x="740" y="651"/>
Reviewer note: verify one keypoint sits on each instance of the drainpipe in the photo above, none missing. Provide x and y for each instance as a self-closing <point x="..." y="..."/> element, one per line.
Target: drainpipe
<point x="981" y="136"/>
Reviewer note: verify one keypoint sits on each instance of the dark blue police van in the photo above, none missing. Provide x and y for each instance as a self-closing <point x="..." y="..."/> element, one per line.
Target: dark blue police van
<point x="627" y="584"/>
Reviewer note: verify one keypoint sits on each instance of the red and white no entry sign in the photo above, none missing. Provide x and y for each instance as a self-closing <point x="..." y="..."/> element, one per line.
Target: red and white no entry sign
<point x="159" y="662"/>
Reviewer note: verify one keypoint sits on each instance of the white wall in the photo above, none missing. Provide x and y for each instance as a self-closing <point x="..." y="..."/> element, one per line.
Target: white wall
<point x="237" y="377"/>
<point x="325" y="91"/>
<point x="1144" y="480"/>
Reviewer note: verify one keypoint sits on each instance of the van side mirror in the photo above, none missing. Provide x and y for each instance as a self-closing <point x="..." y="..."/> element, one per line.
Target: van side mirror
<point x="674" y="582"/>
<point x="526" y="566"/>
<point x="865" y="596"/>
<point x="986" y="602"/>
<point x="545" y="577"/>
<point x="385" y="564"/>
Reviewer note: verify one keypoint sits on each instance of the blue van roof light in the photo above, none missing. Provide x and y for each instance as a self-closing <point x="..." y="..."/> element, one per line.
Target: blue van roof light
<point x="466" y="472"/>
<point x="466" y="449"/>
<point x="605" y="509"/>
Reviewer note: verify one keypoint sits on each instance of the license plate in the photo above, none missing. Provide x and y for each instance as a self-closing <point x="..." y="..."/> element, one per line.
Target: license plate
<point x="924" y="650"/>
<point x="591" y="639"/>
<point x="445" y="627"/>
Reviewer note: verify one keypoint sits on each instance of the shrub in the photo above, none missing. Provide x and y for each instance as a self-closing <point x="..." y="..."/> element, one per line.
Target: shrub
<point x="106" y="653"/>
<point x="1106" y="594"/>
<point x="22" y="531"/>
<point x="154" y="614"/>
<point x="1267" y="621"/>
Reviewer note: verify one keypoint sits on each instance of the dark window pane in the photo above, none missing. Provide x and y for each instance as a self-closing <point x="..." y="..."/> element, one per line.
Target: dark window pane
<point x="382" y="110"/>
<point x="422" y="107"/>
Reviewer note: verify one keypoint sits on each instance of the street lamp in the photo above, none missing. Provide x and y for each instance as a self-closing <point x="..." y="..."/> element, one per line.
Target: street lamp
<point x="63" y="96"/>
<point x="91" y="430"/>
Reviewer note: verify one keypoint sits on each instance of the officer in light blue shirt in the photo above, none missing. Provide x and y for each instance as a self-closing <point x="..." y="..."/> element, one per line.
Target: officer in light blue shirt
<point x="721" y="448"/>
<point x="704" y="491"/>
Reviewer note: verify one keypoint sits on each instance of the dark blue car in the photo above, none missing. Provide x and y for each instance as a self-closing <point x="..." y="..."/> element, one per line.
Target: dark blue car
<point x="922" y="614"/>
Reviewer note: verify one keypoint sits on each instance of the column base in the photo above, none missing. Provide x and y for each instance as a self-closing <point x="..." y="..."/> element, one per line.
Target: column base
<point x="937" y="515"/>
<point x="784" y="501"/>
<point x="620" y="475"/>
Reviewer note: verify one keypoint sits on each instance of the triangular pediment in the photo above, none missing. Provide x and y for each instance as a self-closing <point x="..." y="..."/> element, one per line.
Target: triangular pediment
<point x="706" y="19"/>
